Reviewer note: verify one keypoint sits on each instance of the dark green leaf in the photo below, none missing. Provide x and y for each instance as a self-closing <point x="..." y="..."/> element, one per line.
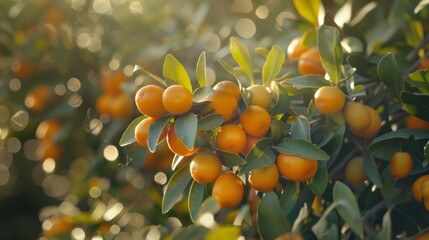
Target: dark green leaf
<point x="273" y="64"/>
<point x="201" y="70"/>
<point x="331" y="51"/>
<point x="307" y="81"/>
<point x="389" y="74"/>
<point x="348" y="209"/>
<point x="282" y="100"/>
<point x="289" y="196"/>
<point x="230" y="159"/>
<point x="155" y="131"/>
<point x="175" y="188"/>
<point x="300" y="129"/>
<point x="362" y="65"/>
<point x="278" y="128"/>
<point x="192" y="232"/>
<point x="260" y="156"/>
<point x="322" y="136"/>
<point x="271" y="220"/>
<point x="303" y="215"/>
<point x="319" y="182"/>
<point x="402" y="134"/>
<point x="195" y="199"/>
<point x="416" y="104"/>
<point x="302" y="148"/>
<point x="386" y="230"/>
<point x="186" y="129"/>
<point x="129" y="136"/>
<point x="175" y="71"/>
<point x="210" y="122"/>
<point x="242" y="57"/>
<point x="308" y="9"/>
<point x="371" y="169"/>
<point x="420" y="79"/>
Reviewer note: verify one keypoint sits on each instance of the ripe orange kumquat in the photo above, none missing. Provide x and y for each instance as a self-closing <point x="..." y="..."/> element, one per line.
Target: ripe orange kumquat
<point x="231" y="138"/>
<point x="296" y="168"/>
<point x="228" y="87"/>
<point x="416" y="188"/>
<point x="357" y="116"/>
<point x="142" y="132"/>
<point x="177" y="146"/>
<point x="296" y="48"/>
<point x="256" y="121"/>
<point x="148" y="100"/>
<point x="228" y="189"/>
<point x="264" y="179"/>
<point x="222" y="103"/>
<point x="205" y="167"/>
<point x="260" y="96"/>
<point x="310" y="63"/>
<point x="401" y="164"/>
<point x="177" y="99"/>
<point x="329" y="99"/>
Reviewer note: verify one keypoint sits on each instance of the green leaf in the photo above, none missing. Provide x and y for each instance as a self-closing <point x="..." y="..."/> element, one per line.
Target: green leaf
<point x="413" y="32"/>
<point x="363" y="67"/>
<point x="210" y="122"/>
<point x="129" y="136"/>
<point x="348" y="209"/>
<point x="278" y="128"/>
<point x="303" y="214"/>
<point x="308" y="9"/>
<point x="289" y="197"/>
<point x="282" y="100"/>
<point x="420" y="79"/>
<point x="331" y="51"/>
<point x="319" y="182"/>
<point x="195" y="199"/>
<point x="300" y="129"/>
<point x="230" y="159"/>
<point x="371" y="169"/>
<point x="175" y="188"/>
<point x="201" y="93"/>
<point x="151" y="75"/>
<point x="273" y="64"/>
<point x="389" y="74"/>
<point x="201" y="70"/>
<point x="186" y="129"/>
<point x="271" y="220"/>
<point x="322" y="136"/>
<point x="386" y="230"/>
<point x="175" y="71"/>
<point x="192" y="232"/>
<point x="307" y="82"/>
<point x="259" y="156"/>
<point x="302" y="148"/>
<point x="176" y="160"/>
<point x="243" y="214"/>
<point x="155" y="131"/>
<point x="242" y="57"/>
<point x="416" y="104"/>
<point x="224" y="232"/>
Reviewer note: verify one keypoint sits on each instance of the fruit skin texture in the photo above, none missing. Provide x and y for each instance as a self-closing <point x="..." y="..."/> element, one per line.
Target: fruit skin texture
<point x="296" y="168"/>
<point x="357" y="116"/>
<point x="228" y="189"/>
<point x="228" y="87"/>
<point x="414" y="122"/>
<point x="142" y="131"/>
<point x="177" y="146"/>
<point x="374" y="126"/>
<point x="401" y="164"/>
<point x="310" y="63"/>
<point x="231" y="138"/>
<point x="177" y="99"/>
<point x="205" y="167"/>
<point x="148" y="100"/>
<point x="256" y="121"/>
<point x="329" y="99"/>
<point x="354" y="172"/>
<point x="264" y="179"/>
<point x="260" y="96"/>
<point x="221" y="103"/>
<point x="296" y="48"/>
<point x="417" y="187"/>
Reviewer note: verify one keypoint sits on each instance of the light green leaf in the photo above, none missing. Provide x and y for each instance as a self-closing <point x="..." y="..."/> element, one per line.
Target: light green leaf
<point x="308" y="9"/>
<point x="175" y="71"/>
<point x="282" y="100"/>
<point x="300" y="129"/>
<point x="303" y="214"/>
<point x="271" y="220"/>
<point x="175" y="188"/>
<point x="155" y="131"/>
<point x="224" y="232"/>
<point x="420" y="79"/>
<point x="151" y="75"/>
<point x="413" y="32"/>
<point x="331" y="51"/>
<point x="129" y="136"/>
<point x="201" y="70"/>
<point x="302" y="148"/>
<point x="416" y="104"/>
<point x="195" y="199"/>
<point x="273" y="64"/>
<point x="348" y="209"/>
<point x="186" y="129"/>
<point x="389" y="74"/>
<point x="242" y="57"/>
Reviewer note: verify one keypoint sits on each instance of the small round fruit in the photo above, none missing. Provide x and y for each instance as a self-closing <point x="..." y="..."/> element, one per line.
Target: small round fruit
<point x="121" y="106"/>
<point x="228" y="189"/>
<point x="296" y="48"/>
<point x="47" y="130"/>
<point x="414" y="122"/>
<point x="296" y="168"/>
<point x="250" y="143"/>
<point x="256" y="121"/>
<point x="329" y="99"/>
<point x="310" y="63"/>
<point x="260" y="96"/>
<point x="39" y="98"/>
<point x="221" y="103"/>
<point x="228" y="87"/>
<point x="205" y="167"/>
<point x="354" y="172"/>
<point x="289" y="236"/>
<point x="356" y="116"/>
<point x="424" y="64"/>
<point x="177" y="146"/>
<point x="48" y="149"/>
<point x="148" y="100"/>
<point x="374" y="126"/>
<point x="177" y="99"/>
<point x="104" y="103"/>
<point x="231" y="138"/>
<point x="142" y="132"/>
<point x="264" y="179"/>
<point x="111" y="82"/>
<point x="57" y="225"/>
<point x="417" y="187"/>
<point x="401" y="164"/>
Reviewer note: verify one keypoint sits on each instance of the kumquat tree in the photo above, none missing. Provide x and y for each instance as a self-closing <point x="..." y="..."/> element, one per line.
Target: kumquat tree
<point x="301" y="119"/>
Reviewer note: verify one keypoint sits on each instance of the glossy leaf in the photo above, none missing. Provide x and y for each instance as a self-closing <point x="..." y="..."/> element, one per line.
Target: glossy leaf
<point x="349" y="209"/>
<point x="420" y="79"/>
<point x="307" y="82"/>
<point x="371" y="169"/>
<point x="151" y="75"/>
<point x="386" y="226"/>
<point x="331" y="51"/>
<point x="242" y="57"/>
<point x="129" y="135"/>
<point x="195" y="199"/>
<point x="175" y="188"/>
<point x="230" y="159"/>
<point x="259" y="156"/>
<point x="363" y="67"/>
<point x="319" y="182"/>
<point x="210" y="122"/>
<point x="201" y="70"/>
<point x="278" y="128"/>
<point x="413" y="32"/>
<point x="303" y="214"/>
<point x="175" y="71"/>
<point x="389" y="74"/>
<point x="282" y="100"/>
<point x="416" y="104"/>
<point x="273" y="64"/>
<point x="155" y="131"/>
<point x="289" y="196"/>
<point x="300" y="129"/>
<point x="177" y="159"/>
<point x="302" y="148"/>
<point x="308" y="9"/>
<point x="190" y="232"/>
<point x="271" y="220"/>
<point x="186" y="129"/>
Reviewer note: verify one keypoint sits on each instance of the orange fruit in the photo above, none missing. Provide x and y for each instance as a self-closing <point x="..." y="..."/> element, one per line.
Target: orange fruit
<point x="296" y="168"/>
<point x="23" y="69"/>
<point x="310" y="63"/>
<point x="329" y="99"/>
<point x="177" y="99"/>
<point x="289" y="236"/>
<point x="374" y="126"/>
<point x="264" y="179"/>
<point x="357" y="116"/>
<point x="414" y="122"/>
<point x="423" y="235"/>
<point x="221" y="103"/>
<point x="424" y="64"/>
<point x="103" y="103"/>
<point x="58" y="225"/>
<point x="205" y="167"/>
<point x="177" y="146"/>
<point x="228" y="189"/>
<point x="112" y="81"/>
<point x="416" y="189"/>
<point x="48" y="149"/>
<point x="54" y="16"/>
<point x="354" y="172"/>
<point x="48" y="129"/>
<point x="296" y="48"/>
<point x="401" y="164"/>
<point x="256" y="121"/>
<point x="39" y="98"/>
<point x="231" y="138"/>
<point x="142" y="131"/>
<point x="250" y="143"/>
<point x="260" y="96"/>
<point x="148" y="100"/>
<point x="228" y="87"/>
<point x="121" y="106"/>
